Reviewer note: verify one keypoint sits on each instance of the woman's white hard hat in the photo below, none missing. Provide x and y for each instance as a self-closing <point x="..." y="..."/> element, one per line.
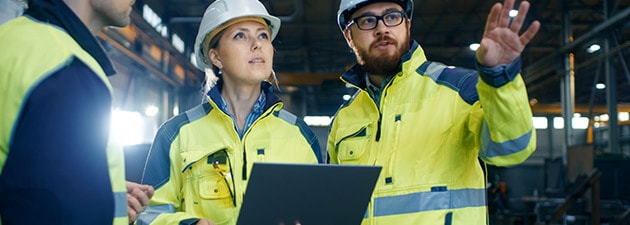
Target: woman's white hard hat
<point x="222" y="11"/>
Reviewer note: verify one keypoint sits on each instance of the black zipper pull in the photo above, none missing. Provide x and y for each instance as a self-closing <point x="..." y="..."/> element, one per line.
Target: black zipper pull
<point x="244" y="164"/>
<point x="378" y="127"/>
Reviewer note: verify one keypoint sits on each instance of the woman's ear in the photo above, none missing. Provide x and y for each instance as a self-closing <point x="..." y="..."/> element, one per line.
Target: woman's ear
<point x="214" y="58"/>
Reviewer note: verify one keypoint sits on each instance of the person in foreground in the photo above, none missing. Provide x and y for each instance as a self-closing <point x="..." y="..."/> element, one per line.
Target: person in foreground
<point x="56" y="163"/>
<point x="200" y="160"/>
<point x="426" y="123"/>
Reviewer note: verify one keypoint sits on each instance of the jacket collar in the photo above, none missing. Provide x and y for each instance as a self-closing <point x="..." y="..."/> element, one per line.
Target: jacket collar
<point x="356" y="75"/>
<point x="270" y="98"/>
<point x="57" y="13"/>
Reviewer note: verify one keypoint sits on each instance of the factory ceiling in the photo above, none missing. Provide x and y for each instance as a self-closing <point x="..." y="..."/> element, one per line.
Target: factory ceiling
<point x="311" y="52"/>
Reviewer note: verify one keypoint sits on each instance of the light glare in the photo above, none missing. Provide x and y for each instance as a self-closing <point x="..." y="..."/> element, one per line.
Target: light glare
<point x="540" y="122"/>
<point x="474" y="46"/>
<point x="624" y="116"/>
<point x="127" y="127"/>
<point x="558" y="123"/>
<point x="151" y="111"/>
<point x="580" y="123"/>
<point x="176" y="110"/>
<point x="600" y="86"/>
<point x="593" y="48"/>
<point x="318" y="121"/>
<point x="178" y="43"/>
<point x="513" y="13"/>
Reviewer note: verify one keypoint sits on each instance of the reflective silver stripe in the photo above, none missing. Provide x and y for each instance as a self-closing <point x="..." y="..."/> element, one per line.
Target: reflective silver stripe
<point x="490" y="149"/>
<point x="196" y="112"/>
<point x="120" y="204"/>
<point x="151" y="212"/>
<point x="434" y="70"/>
<point x="287" y="116"/>
<point x="427" y="201"/>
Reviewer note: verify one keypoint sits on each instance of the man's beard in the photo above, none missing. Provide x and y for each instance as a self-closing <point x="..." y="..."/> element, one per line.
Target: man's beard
<point x="382" y="64"/>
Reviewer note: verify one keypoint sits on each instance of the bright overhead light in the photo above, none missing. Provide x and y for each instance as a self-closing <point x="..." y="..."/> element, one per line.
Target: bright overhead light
<point x="576" y="122"/>
<point x="474" y="46"/>
<point x="513" y="13"/>
<point x="346" y="97"/>
<point x="593" y="48"/>
<point x="558" y="123"/>
<point x="600" y="86"/>
<point x="178" y="43"/>
<point x="540" y="122"/>
<point x="580" y="122"/>
<point x="176" y="110"/>
<point x="151" y="111"/>
<point x="127" y="127"/>
<point x="319" y="121"/>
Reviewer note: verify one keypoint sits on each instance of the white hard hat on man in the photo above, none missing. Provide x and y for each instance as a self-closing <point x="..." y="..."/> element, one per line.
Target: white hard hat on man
<point x="222" y="13"/>
<point x="347" y="7"/>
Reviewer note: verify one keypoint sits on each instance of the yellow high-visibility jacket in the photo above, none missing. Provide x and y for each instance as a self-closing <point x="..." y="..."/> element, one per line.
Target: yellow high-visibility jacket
<point x="200" y="166"/>
<point x="432" y="125"/>
<point x="57" y="163"/>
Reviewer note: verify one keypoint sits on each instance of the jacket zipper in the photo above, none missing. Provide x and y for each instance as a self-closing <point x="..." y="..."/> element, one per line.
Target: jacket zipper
<point x="378" y="127"/>
<point x="380" y="109"/>
<point x="264" y="114"/>
<point x="244" y="164"/>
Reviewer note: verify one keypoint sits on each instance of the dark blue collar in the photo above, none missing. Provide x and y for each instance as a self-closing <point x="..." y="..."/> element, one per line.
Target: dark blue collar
<point x="266" y="87"/>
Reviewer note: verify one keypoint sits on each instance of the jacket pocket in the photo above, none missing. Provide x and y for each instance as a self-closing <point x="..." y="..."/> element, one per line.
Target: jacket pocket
<point x="352" y="149"/>
<point x="217" y="181"/>
<point x="210" y="180"/>
<point x="214" y="187"/>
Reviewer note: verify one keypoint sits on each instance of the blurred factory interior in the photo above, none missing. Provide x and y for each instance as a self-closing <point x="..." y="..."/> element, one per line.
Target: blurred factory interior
<point x="576" y="71"/>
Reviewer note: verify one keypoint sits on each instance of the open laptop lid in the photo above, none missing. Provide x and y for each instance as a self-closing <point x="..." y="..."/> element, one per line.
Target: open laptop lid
<point x="312" y="194"/>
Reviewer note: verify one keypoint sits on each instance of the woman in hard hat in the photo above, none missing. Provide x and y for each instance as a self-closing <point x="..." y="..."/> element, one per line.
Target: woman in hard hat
<point x="200" y="160"/>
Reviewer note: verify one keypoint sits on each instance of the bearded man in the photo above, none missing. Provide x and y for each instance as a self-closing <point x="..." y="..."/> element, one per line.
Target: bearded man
<point x="423" y="121"/>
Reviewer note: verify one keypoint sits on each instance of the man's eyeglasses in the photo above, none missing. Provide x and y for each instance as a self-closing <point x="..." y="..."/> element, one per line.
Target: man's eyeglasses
<point x="369" y="22"/>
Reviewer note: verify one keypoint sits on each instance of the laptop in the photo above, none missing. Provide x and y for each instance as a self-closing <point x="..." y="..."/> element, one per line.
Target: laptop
<point x="307" y="194"/>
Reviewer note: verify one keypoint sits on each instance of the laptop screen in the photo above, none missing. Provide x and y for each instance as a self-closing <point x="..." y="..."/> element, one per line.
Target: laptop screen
<point x="307" y="194"/>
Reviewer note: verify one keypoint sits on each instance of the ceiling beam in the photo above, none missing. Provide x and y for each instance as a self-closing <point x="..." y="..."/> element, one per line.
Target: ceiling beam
<point x="555" y="109"/>
<point x="534" y="68"/>
<point x="286" y="78"/>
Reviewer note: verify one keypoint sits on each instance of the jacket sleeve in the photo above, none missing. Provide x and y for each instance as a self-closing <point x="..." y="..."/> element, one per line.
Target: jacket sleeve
<point x="310" y="137"/>
<point x="330" y="145"/>
<point x="56" y="171"/>
<point x="505" y="129"/>
<point x="163" y="171"/>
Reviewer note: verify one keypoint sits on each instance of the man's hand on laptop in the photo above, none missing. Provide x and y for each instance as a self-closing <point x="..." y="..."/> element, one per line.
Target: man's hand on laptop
<point x="138" y="196"/>
<point x="205" y="222"/>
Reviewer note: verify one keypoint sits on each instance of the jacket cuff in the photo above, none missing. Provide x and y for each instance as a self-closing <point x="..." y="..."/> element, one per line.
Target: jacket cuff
<point x="499" y="75"/>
